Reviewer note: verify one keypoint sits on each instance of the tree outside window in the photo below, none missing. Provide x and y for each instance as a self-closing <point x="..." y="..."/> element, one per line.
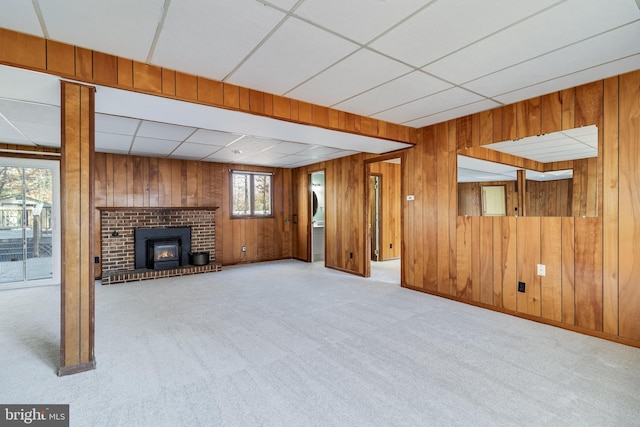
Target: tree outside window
<point x="251" y="194"/>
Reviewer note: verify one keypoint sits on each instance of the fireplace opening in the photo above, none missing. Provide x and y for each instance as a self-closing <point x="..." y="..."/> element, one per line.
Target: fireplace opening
<point x="163" y="254"/>
<point x="161" y="248"/>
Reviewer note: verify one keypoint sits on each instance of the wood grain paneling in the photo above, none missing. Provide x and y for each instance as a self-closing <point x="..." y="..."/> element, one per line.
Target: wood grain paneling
<point x="551" y="258"/>
<point x="76" y="190"/>
<point x="588" y="275"/>
<point x="629" y="205"/>
<point x="144" y="181"/>
<point x="23" y="49"/>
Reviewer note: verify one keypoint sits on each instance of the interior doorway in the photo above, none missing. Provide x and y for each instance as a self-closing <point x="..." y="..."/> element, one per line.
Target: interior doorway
<point x="317" y="211"/>
<point x="29" y="212"/>
<point x="384" y="219"/>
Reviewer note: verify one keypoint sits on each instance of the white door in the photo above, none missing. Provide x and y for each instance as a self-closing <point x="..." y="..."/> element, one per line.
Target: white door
<point x="29" y="212"/>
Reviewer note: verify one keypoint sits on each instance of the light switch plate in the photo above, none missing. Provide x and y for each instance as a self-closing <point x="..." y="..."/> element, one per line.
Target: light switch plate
<point x="411" y="197"/>
<point x="542" y="270"/>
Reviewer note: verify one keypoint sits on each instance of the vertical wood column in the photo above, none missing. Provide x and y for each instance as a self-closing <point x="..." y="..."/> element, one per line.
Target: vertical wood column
<point x="522" y="192"/>
<point x="76" y="190"/>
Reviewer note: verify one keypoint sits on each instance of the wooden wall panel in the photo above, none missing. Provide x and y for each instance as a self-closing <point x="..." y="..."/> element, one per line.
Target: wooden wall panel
<point x="610" y="212"/>
<point x="588" y="275"/>
<point x="143" y="181"/>
<point x="629" y="205"/>
<point x="509" y="261"/>
<point x="443" y="166"/>
<point x="551" y="258"/>
<point x="61" y="58"/>
<point x="486" y="260"/>
<point x="568" y="270"/>
<point x="528" y="253"/>
<point x="464" y="244"/>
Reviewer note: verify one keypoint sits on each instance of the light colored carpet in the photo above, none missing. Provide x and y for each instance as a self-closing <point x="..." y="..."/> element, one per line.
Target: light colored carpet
<point x="288" y="343"/>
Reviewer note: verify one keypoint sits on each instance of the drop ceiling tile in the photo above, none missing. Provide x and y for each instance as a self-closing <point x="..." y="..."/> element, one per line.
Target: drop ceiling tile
<point x="288" y="147"/>
<point x="29" y="112"/>
<point x="607" y="47"/>
<point x="564" y="24"/>
<point x="394" y="93"/>
<point x="187" y="150"/>
<point x="283" y="4"/>
<point x="227" y="155"/>
<point x="30" y="86"/>
<point x="164" y="131"/>
<point x="118" y="27"/>
<point x="287" y="161"/>
<point x="441" y="101"/>
<point x="609" y="69"/>
<point x="294" y="53"/>
<point x="116" y="124"/>
<point x="359" y="20"/>
<point x="152" y="146"/>
<point x="112" y="143"/>
<point x="9" y="135"/>
<point x="40" y="134"/>
<point x="453" y="113"/>
<point x="212" y="137"/>
<point x="22" y="18"/>
<point x="349" y="78"/>
<point x="251" y="144"/>
<point x="212" y="37"/>
<point x="316" y="152"/>
<point x="262" y="158"/>
<point x="446" y="26"/>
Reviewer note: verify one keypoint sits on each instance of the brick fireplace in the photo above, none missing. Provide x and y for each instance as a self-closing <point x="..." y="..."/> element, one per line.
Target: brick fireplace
<point x="118" y="235"/>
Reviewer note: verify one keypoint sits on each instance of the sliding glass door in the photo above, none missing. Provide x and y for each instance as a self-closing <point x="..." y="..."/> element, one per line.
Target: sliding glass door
<point x="29" y="238"/>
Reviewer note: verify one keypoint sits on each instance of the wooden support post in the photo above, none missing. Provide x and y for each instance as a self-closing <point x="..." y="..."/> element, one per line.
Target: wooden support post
<point x="76" y="190"/>
<point x="522" y="192"/>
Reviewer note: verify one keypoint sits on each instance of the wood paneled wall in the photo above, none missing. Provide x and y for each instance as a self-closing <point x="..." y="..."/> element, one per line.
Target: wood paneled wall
<point x="35" y="53"/>
<point x="390" y="209"/>
<point x="592" y="281"/>
<point x="135" y="181"/>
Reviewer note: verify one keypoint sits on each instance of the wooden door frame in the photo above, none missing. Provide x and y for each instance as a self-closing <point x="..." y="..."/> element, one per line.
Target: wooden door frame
<point x="366" y="211"/>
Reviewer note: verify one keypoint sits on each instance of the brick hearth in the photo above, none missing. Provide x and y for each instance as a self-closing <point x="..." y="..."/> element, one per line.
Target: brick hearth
<point x="117" y="225"/>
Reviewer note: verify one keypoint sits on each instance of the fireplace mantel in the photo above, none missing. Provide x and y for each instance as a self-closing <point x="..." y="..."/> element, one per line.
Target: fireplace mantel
<point x="156" y="208"/>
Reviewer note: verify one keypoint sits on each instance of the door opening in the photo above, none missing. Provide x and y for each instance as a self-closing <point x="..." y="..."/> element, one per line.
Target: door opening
<point x="29" y="209"/>
<point x="374" y="215"/>
<point x="317" y="220"/>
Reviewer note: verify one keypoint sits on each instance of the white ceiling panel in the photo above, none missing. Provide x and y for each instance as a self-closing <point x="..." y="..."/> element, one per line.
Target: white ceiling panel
<point x="572" y="80"/>
<point x="251" y="145"/>
<point x="346" y="78"/>
<point x="428" y="105"/>
<point x="211" y="137"/>
<point x="30" y="112"/>
<point x="22" y="18"/>
<point x="559" y="26"/>
<point x="295" y="53"/>
<point x="113" y="143"/>
<point x="227" y="155"/>
<point x="359" y="20"/>
<point x="170" y="132"/>
<point x="153" y="146"/>
<point x="283" y="4"/>
<point x="9" y="134"/>
<point x="263" y="158"/>
<point x="288" y="148"/>
<point x="115" y="124"/>
<point x="118" y="27"/>
<point x="194" y="151"/>
<point x="453" y="113"/>
<point x="24" y="85"/>
<point x="319" y="152"/>
<point x="607" y="47"/>
<point x="396" y="92"/>
<point x="446" y="26"/>
<point x="212" y="36"/>
<point x="40" y="134"/>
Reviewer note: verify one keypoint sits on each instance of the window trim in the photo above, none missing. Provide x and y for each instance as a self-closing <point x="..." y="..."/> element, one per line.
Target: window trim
<point x="252" y="174"/>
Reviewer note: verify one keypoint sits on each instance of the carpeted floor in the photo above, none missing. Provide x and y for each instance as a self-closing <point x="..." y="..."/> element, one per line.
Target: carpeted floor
<point x="288" y="343"/>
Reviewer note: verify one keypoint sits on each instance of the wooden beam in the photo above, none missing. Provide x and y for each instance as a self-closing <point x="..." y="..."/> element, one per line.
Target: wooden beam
<point x="76" y="191"/>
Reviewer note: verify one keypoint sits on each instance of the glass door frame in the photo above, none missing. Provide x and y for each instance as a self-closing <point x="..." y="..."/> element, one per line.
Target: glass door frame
<point x="54" y="167"/>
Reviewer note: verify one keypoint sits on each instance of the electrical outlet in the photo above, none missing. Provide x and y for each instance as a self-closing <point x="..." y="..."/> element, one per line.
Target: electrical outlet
<point x="244" y="249"/>
<point x="542" y="270"/>
<point x="96" y="260"/>
<point x="521" y="286"/>
<point x="390" y="245"/>
<point x="350" y="254"/>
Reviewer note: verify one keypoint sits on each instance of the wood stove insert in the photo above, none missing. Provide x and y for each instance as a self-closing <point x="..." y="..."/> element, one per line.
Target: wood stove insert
<point x="162" y="248"/>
